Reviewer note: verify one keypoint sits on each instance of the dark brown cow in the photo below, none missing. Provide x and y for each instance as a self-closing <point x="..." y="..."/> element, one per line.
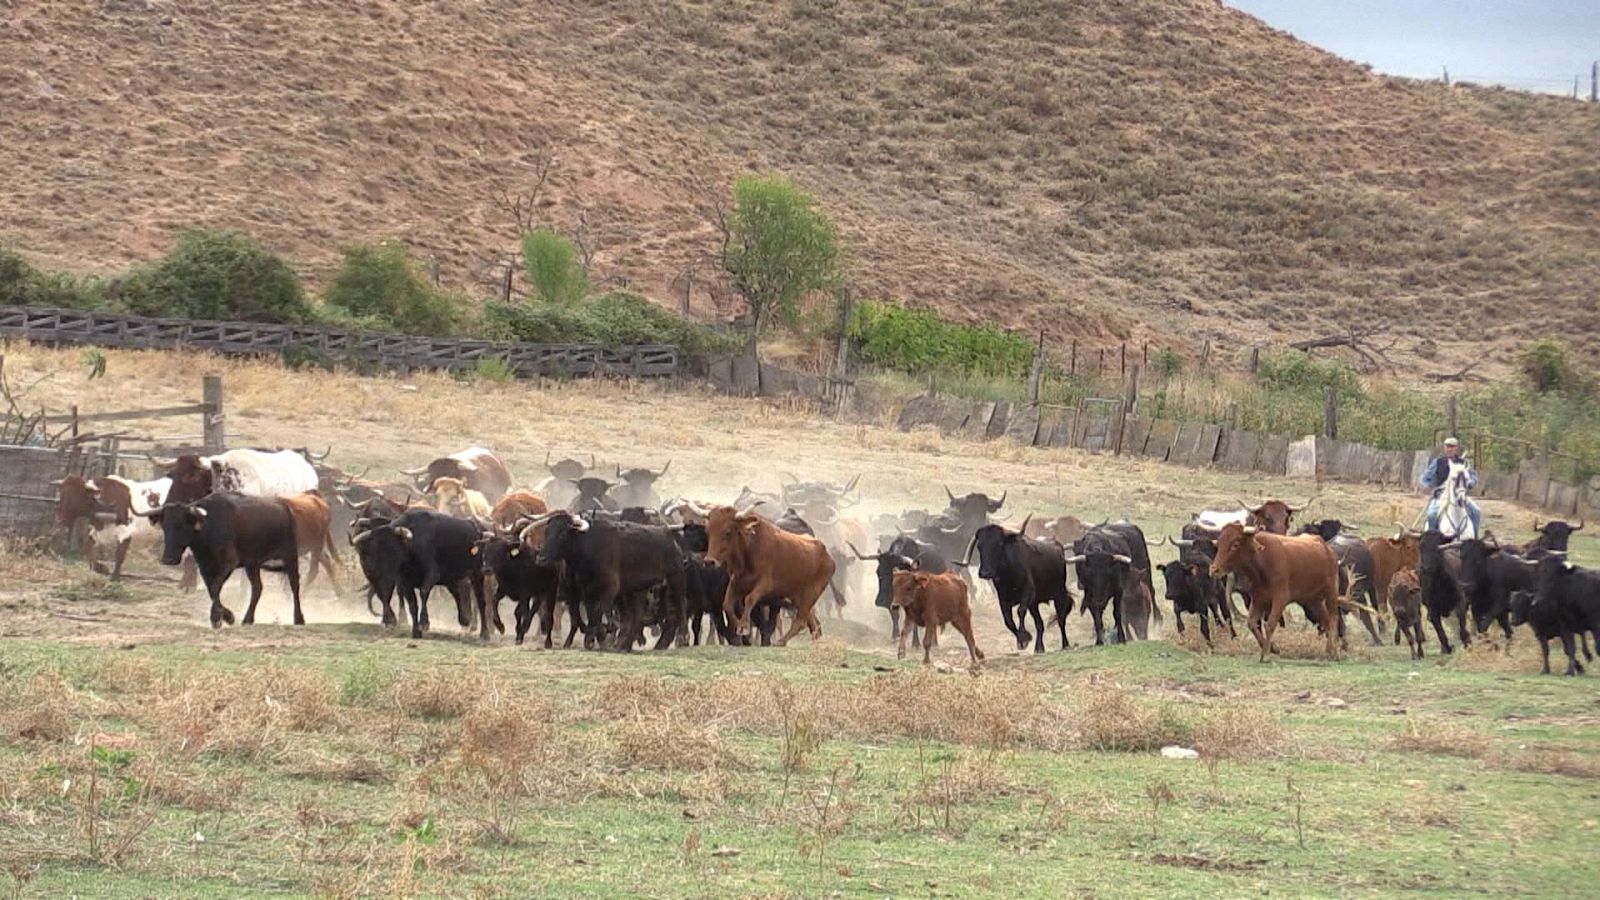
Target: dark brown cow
<point x="1272" y="515"/>
<point x="477" y="467"/>
<point x="1389" y="556"/>
<point x="74" y="504"/>
<point x="763" y="560"/>
<point x="516" y="505"/>
<point x="931" y="602"/>
<point x="1282" y="570"/>
<point x="1405" y="601"/>
<point x="312" y="524"/>
<point x="233" y="531"/>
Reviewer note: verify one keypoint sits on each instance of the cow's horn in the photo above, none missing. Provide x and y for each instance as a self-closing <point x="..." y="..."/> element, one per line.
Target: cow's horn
<point x="579" y="523"/>
<point x="1251" y="529"/>
<point x="958" y="527"/>
<point x="162" y="461"/>
<point x="1023" y="528"/>
<point x="1579" y="526"/>
<point x="995" y="506"/>
<point x="319" y="457"/>
<point x="1161" y="543"/>
<point x="1123" y="558"/>
<point x="593" y="463"/>
<point x="966" y="558"/>
<point x="859" y="554"/>
<point x="357" y="539"/>
<point x="412" y="473"/>
<point x="1536" y="525"/>
<point x="344" y="501"/>
<point x="950" y="495"/>
<point x="851" y="485"/>
<point x="1075" y="559"/>
<point x="663" y="470"/>
<point x="1178" y="542"/>
<point x="403" y="533"/>
<point x="199" y="511"/>
<point x="1247" y="507"/>
<point x="1301" y="506"/>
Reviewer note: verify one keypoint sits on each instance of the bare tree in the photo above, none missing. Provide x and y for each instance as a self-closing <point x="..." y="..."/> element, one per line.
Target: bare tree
<point x="522" y="205"/>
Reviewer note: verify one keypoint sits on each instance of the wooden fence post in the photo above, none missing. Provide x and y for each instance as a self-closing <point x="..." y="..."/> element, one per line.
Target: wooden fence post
<point x="1330" y="413"/>
<point x="1072" y="368"/>
<point x="1036" y="371"/>
<point x="1450" y="417"/>
<point x="1130" y="397"/>
<point x="213" y="428"/>
<point x="1124" y="372"/>
<point x="1255" y="359"/>
<point x="1100" y="367"/>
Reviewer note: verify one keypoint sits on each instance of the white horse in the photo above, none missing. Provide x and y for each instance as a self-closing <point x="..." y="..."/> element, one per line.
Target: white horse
<point x="1455" y="519"/>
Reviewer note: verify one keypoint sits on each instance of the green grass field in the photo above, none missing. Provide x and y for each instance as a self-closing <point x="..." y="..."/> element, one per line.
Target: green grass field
<point x="336" y="761"/>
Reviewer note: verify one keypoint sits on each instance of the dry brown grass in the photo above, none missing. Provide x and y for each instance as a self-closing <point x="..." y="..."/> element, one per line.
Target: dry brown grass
<point x="1238" y="732"/>
<point x="1109" y="718"/>
<point x="249" y="713"/>
<point x="1442" y="738"/>
<point x="1547" y="761"/>
<point x="1520" y="656"/>
<point x="44" y="709"/>
<point x="663" y="741"/>
<point x="439" y="693"/>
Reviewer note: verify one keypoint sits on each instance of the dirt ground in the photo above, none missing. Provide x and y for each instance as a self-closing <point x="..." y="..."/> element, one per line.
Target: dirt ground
<point x="716" y="445"/>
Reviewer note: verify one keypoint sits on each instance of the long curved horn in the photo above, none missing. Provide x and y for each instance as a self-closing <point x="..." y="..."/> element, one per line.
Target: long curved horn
<point x="851" y="485"/>
<point x="412" y="473"/>
<point x="579" y="523"/>
<point x="1178" y="542"/>
<point x="319" y="457"/>
<point x="1579" y="526"/>
<point x="1161" y="543"/>
<point x="950" y="495"/>
<point x="619" y="471"/>
<point x="829" y="522"/>
<point x="1295" y="509"/>
<point x="356" y="541"/>
<point x="1075" y="559"/>
<point x="1123" y="558"/>
<point x="663" y="470"/>
<point x="954" y="530"/>
<point x="995" y="506"/>
<point x="1247" y="507"/>
<point x="165" y="462"/>
<point x="344" y="501"/>
<point x="860" y="555"/>
<point x="593" y="463"/>
<point x="1023" y="528"/>
<point x="1251" y="529"/>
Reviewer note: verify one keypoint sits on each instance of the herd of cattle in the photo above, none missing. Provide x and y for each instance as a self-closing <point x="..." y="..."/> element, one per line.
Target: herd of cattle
<point x="617" y="560"/>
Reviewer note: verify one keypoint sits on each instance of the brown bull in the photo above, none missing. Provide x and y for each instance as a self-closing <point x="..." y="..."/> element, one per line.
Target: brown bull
<point x="1389" y="556"/>
<point x="1282" y="570"/>
<point x="1272" y="515"/>
<point x="312" y="522"/>
<point x="764" y="561"/>
<point x="931" y="602"/>
<point x="517" y="505"/>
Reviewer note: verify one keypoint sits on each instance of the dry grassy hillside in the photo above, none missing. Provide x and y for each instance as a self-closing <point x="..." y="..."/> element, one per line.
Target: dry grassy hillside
<point x="1120" y="167"/>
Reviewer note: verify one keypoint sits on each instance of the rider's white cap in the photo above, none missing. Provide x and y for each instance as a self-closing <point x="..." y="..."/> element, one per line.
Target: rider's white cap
<point x="1451" y="442"/>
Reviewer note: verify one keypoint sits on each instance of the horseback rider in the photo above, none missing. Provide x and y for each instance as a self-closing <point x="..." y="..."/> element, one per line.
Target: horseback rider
<point x="1435" y="476"/>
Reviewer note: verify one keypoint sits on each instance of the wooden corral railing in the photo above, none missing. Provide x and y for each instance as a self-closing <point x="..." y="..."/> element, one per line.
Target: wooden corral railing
<point x="334" y="345"/>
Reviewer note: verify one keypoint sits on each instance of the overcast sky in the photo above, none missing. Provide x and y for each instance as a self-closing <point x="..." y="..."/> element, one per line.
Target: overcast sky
<point x="1528" y="44"/>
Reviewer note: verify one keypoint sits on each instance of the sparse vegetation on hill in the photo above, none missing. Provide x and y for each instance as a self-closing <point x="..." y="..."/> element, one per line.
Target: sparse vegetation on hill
<point x="1102" y="169"/>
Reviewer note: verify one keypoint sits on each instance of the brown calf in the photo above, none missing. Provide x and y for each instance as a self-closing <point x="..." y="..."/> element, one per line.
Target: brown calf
<point x="932" y="602"/>
<point x="1282" y="570"/>
<point x="764" y="561"/>
<point x="1405" y="600"/>
<point x="515" y="505"/>
<point x="1389" y="556"/>
<point x="312" y="521"/>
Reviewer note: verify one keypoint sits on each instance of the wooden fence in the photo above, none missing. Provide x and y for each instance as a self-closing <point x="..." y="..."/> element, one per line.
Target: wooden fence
<point x="334" y="345"/>
<point x="27" y="497"/>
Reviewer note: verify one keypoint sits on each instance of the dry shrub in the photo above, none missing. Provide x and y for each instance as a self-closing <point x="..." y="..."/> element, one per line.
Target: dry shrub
<point x="505" y="742"/>
<point x="169" y="787"/>
<point x="1441" y="738"/>
<point x="971" y="778"/>
<point x="1111" y="719"/>
<point x="122" y="674"/>
<point x="358" y="767"/>
<point x="1238" y="732"/>
<point x="1555" y="762"/>
<point x="632" y="695"/>
<point x="664" y="741"/>
<point x="43" y="710"/>
<point x="439" y="693"/>
<point x="247" y="714"/>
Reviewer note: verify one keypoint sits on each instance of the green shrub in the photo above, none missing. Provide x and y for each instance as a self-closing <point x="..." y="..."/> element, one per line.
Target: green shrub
<point x="23" y="285"/>
<point x="553" y="268"/>
<point x="780" y="248"/>
<point x="1292" y="370"/>
<point x="1168" y="363"/>
<point x="917" y="341"/>
<point x="218" y="275"/>
<point x="1549" y="367"/>
<point x="494" y="370"/>
<point x="613" y="319"/>
<point x="383" y="285"/>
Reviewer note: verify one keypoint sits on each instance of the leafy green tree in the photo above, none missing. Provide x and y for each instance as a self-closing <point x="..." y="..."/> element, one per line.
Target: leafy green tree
<point x="213" y="274"/>
<point x="384" y="284"/>
<point x="779" y="247"/>
<point x="553" y="268"/>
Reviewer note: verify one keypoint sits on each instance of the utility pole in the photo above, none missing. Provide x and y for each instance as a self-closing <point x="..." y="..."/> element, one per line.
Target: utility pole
<point x="1594" y="82"/>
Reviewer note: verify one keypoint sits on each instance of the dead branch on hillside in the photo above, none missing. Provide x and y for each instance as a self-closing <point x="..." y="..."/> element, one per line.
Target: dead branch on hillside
<point x="1465" y="373"/>
<point x="583" y="241"/>
<point x="521" y="206"/>
<point x="1357" y="339"/>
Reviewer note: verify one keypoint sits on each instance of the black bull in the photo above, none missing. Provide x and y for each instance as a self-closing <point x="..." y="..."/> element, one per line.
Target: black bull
<point x="1025" y="573"/>
<point x="1111" y="561"/>
<point x="614" y="566"/>
<point x="229" y="531"/>
<point x="417" y="551"/>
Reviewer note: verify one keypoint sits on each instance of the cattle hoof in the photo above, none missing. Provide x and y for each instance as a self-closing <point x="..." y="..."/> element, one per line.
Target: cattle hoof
<point x="299" y="620"/>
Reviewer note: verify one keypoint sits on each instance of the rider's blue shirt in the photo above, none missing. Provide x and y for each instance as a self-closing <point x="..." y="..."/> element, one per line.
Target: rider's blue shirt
<point x="1438" y="470"/>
